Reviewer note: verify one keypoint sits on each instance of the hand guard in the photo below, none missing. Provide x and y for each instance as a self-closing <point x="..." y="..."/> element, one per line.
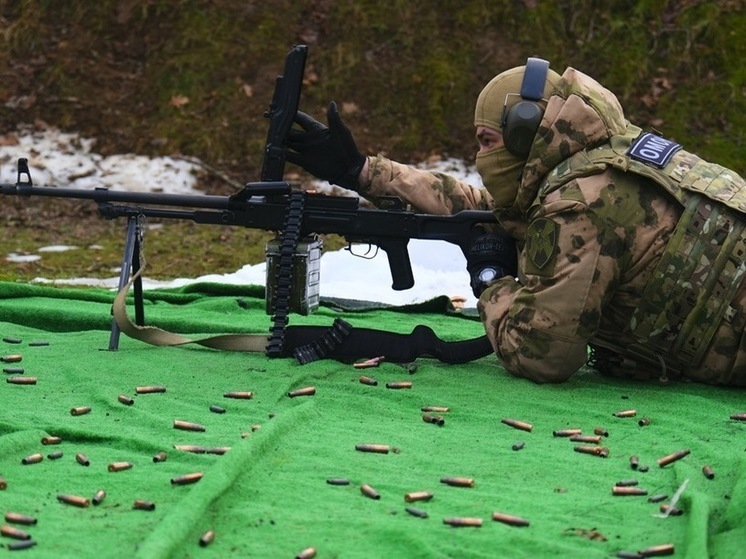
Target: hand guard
<point x="490" y="257"/>
<point x="328" y="153"/>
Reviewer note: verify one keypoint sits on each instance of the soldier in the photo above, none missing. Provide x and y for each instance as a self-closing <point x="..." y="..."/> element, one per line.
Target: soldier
<point x="631" y="249"/>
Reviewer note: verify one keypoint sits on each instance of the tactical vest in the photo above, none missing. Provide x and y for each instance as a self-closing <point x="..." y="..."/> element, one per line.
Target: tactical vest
<point x="704" y="262"/>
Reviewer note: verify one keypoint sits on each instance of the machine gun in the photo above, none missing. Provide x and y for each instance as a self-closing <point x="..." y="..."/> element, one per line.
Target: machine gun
<point x="272" y="205"/>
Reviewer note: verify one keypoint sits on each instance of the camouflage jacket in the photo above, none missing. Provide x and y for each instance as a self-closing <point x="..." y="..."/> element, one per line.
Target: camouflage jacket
<point x="588" y="248"/>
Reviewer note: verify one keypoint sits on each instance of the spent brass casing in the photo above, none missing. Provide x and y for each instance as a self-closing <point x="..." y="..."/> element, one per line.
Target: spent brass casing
<point x="3" y="484"/>
<point x="82" y="459"/>
<point x="626" y="483"/>
<point x="419" y="513"/>
<point x="657" y="550"/>
<point x="305" y="391"/>
<point x="510" y="519"/>
<point x="187" y="479"/>
<point x="32" y="459"/>
<point x="21" y="544"/>
<point x="75" y="500"/>
<point x="51" y="440"/>
<point x="458" y="481"/>
<point x="673" y="457"/>
<point x="80" y="410"/>
<point x="119" y="466"/>
<point x="520" y="445"/>
<point x="160" y="457"/>
<point x="188" y="426"/>
<point x="13" y="532"/>
<point x="657" y="498"/>
<point x="377" y="448"/>
<point x="308" y="553"/>
<point x="216" y="409"/>
<point x="567" y="432"/>
<point x="644" y="421"/>
<point x="14" y="370"/>
<point x="634" y="462"/>
<point x="600" y="431"/>
<point x="435" y="409"/>
<point x="338" y="481"/>
<point x="55" y="455"/>
<point x="434" y="419"/>
<point x="522" y="425"/>
<point x="669" y="510"/>
<point x="463" y="521"/>
<point x="625" y="413"/>
<point x="220" y="450"/>
<point x="368" y="363"/>
<point x="17" y="518"/>
<point x="141" y="504"/>
<point x="190" y="448"/>
<point x="239" y="395"/>
<point x="150" y="389"/>
<point x="588" y="439"/>
<point x="368" y="380"/>
<point x="21" y="380"/>
<point x="624" y="490"/>
<point x="207" y="538"/>
<point x="98" y="497"/>
<point x="602" y="452"/>
<point x="369" y="492"/>
<point x="399" y="385"/>
<point x="708" y="472"/>
<point x="418" y="496"/>
<point x="738" y="416"/>
<point x="15" y="358"/>
<point x="126" y="400"/>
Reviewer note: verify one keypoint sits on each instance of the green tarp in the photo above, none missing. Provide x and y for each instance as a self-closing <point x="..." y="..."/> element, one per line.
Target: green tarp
<point x="269" y="496"/>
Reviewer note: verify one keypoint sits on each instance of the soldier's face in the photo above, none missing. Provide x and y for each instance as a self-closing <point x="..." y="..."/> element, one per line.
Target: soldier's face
<point x="488" y="138"/>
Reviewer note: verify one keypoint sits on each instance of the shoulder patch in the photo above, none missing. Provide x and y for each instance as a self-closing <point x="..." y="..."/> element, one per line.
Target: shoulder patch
<point x="653" y="149"/>
<point x="541" y="242"/>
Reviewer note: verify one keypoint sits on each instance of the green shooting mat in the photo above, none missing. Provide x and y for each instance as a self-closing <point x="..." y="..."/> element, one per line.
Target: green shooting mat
<point x="256" y="471"/>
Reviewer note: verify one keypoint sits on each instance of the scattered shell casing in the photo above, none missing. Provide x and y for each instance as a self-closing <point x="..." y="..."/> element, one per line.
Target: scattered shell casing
<point x="518" y="445"/>
<point x="207" y="538"/>
<point x="368" y="363"/>
<point x="634" y="462"/>
<point x="16" y="518"/>
<point x="21" y="380"/>
<point x="738" y="416"/>
<point x="126" y="400"/>
<point x="463" y="521"/>
<point x="338" y="481"/>
<point x="588" y="439"/>
<point x="670" y="511"/>
<point x="567" y="432"/>
<point x="625" y="413"/>
<point x="11" y="340"/>
<point x="510" y="519"/>
<point x="644" y="421"/>
<point x="15" y="533"/>
<point x="657" y="550"/>
<point x="3" y="484"/>
<point x="522" y="425"/>
<point x="673" y="457"/>
<point x="239" y="395"/>
<point x="600" y="451"/>
<point x="216" y="409"/>
<point x="80" y="410"/>
<point x="220" y="450"/>
<point x="308" y="553"/>
<point x="305" y="391"/>
<point x="82" y="459"/>
<point x="398" y="385"/>
<point x="628" y="490"/>
<point x="369" y="492"/>
<point x="160" y="457"/>
<point x="119" y="466"/>
<point x="190" y="448"/>
<point x="14" y="370"/>
<point x="150" y="389"/>
<point x="458" y="481"/>
<point x="74" y="500"/>
<point x="435" y="419"/>
<point x="256" y="427"/>
<point x="55" y="455"/>
<point x="15" y="358"/>
<point x="187" y="479"/>
<point x="626" y="483"/>
<point x="377" y="448"/>
<point x="708" y="472"/>
<point x="141" y="504"/>
<point x="51" y="440"/>
<point x="38" y="343"/>
<point x="32" y="459"/>
<point x="643" y="468"/>
<point x="657" y="498"/>
<point x="188" y="426"/>
<point x="98" y="497"/>
<point x="435" y="409"/>
<point x="419" y="513"/>
<point x="368" y="380"/>
<point x="21" y="544"/>
<point x="418" y="496"/>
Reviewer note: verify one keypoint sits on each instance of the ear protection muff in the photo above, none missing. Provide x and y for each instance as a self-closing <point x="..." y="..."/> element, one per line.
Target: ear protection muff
<point x="521" y="122"/>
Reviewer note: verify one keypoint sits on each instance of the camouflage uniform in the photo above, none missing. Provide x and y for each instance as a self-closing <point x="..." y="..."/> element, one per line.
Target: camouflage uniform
<point x="589" y="248"/>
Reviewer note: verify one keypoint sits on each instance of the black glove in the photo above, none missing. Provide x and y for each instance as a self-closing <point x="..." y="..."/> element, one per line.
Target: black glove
<point x="327" y="153"/>
<point x="490" y="257"/>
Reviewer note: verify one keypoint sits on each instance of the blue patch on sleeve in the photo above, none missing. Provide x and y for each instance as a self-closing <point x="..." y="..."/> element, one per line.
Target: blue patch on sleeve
<point x="653" y="149"/>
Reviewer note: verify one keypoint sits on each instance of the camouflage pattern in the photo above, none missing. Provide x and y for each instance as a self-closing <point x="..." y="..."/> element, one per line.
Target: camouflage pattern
<point x="591" y="244"/>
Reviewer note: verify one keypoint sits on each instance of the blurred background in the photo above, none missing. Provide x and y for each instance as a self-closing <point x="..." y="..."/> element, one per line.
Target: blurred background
<point x="193" y="78"/>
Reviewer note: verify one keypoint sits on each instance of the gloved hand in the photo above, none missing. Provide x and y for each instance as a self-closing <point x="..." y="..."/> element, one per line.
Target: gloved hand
<point x="490" y="257"/>
<point x="328" y="153"/>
